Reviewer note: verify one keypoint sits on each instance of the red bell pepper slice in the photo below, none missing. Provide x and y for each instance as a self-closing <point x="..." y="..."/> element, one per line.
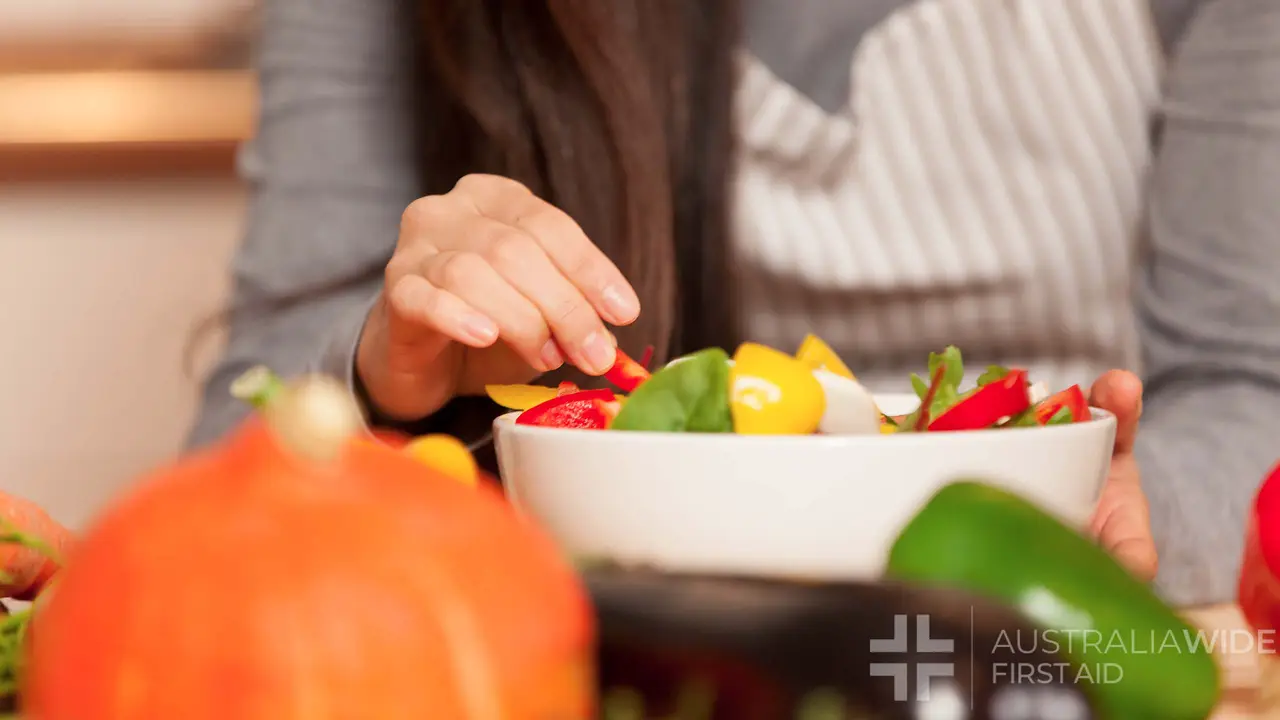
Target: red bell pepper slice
<point x="647" y="357"/>
<point x="992" y="402"/>
<point x="567" y="388"/>
<point x="1072" y="398"/>
<point x="585" y="410"/>
<point x="626" y="373"/>
<point x="1258" y="591"/>
<point x="610" y="408"/>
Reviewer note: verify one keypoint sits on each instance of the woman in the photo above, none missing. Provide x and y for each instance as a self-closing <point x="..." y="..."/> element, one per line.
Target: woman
<point x="450" y="193"/>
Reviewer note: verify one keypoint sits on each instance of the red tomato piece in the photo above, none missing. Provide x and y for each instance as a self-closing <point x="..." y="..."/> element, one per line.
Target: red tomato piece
<point x="1072" y="398"/>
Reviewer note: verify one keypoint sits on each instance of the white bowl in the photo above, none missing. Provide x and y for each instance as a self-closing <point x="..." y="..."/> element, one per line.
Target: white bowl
<point x="819" y="507"/>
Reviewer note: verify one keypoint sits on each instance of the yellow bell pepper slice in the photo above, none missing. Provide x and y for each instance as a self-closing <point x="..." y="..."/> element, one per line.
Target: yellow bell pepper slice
<point x="818" y="355"/>
<point x="773" y="393"/>
<point x="523" y="397"/>
<point x="447" y="455"/>
<point x="519" y="397"/>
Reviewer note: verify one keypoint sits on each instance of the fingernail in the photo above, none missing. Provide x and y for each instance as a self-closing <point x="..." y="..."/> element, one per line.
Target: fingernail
<point x="551" y="356"/>
<point x="621" y="304"/>
<point x="480" y="328"/>
<point x="598" y="353"/>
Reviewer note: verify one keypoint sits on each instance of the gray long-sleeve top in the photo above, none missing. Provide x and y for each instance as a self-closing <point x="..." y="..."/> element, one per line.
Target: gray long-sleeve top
<point x="331" y="175"/>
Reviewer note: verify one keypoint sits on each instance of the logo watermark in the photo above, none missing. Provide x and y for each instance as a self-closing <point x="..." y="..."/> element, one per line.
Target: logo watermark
<point x="1138" y="642"/>
<point x="924" y="672"/>
<point x="1029" y="659"/>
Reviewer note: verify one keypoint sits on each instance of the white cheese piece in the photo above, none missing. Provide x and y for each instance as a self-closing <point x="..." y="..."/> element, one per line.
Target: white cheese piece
<point x="851" y="409"/>
<point x="1039" y="391"/>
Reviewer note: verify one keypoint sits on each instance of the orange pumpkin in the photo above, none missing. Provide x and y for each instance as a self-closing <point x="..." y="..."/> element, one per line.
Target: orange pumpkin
<point x="295" y="573"/>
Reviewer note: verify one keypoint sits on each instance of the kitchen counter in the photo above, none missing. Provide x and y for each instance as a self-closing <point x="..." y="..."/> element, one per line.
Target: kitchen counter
<point x="123" y="124"/>
<point x="1240" y="669"/>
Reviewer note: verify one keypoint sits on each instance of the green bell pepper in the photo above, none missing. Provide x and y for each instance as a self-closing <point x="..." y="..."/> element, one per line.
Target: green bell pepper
<point x="689" y="395"/>
<point x="1139" y="659"/>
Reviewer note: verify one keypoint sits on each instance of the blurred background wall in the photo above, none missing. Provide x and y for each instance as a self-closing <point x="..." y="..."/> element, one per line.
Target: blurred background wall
<point x="119" y="209"/>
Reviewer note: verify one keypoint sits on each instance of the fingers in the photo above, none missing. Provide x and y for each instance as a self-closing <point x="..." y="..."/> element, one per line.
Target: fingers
<point x="414" y="298"/>
<point x="477" y="286"/>
<point x="1126" y="535"/>
<point x="433" y="300"/>
<point x="563" y="242"/>
<point x="1122" y="522"/>
<point x="1120" y="393"/>
<point x="521" y="261"/>
<point x="1139" y="556"/>
<point x="490" y="257"/>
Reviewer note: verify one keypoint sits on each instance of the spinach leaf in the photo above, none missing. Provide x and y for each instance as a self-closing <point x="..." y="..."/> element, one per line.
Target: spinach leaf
<point x="687" y="396"/>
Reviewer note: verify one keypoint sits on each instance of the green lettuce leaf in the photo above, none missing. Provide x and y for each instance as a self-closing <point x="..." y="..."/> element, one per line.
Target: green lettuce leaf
<point x="947" y="393"/>
<point x="993" y="373"/>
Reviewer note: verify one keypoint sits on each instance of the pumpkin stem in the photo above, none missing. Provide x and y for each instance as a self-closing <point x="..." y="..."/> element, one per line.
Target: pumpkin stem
<point x="315" y="417"/>
<point x="258" y="386"/>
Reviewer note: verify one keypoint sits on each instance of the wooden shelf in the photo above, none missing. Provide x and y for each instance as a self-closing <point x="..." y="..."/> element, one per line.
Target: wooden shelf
<point x="60" y="125"/>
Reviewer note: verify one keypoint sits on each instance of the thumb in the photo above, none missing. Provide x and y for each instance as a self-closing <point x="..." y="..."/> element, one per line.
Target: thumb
<point x="407" y="370"/>
<point x="1119" y="392"/>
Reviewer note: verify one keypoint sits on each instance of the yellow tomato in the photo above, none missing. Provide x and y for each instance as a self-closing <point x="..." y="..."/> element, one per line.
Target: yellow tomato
<point x="818" y="355"/>
<point x="772" y="393"/>
<point x="445" y="454"/>
<point x="519" y="397"/>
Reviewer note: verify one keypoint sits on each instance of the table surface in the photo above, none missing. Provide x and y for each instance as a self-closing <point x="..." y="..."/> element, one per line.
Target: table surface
<point x="1240" y="670"/>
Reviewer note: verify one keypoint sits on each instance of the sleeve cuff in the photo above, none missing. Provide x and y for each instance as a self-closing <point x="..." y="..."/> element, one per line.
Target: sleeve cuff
<point x="469" y="419"/>
<point x="338" y="355"/>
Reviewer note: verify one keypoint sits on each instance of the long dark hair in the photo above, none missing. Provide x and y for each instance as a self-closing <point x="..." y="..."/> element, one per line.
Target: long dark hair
<point x="616" y="111"/>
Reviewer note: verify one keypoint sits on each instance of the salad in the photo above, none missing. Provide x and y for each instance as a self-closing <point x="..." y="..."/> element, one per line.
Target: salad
<point x="764" y="391"/>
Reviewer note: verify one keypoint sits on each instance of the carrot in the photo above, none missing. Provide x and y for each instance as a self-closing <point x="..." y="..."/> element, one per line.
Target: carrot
<point x="32" y="546"/>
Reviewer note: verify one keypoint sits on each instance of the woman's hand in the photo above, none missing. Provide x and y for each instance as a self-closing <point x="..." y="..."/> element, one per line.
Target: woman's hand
<point x="488" y="284"/>
<point x="1123" y="520"/>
